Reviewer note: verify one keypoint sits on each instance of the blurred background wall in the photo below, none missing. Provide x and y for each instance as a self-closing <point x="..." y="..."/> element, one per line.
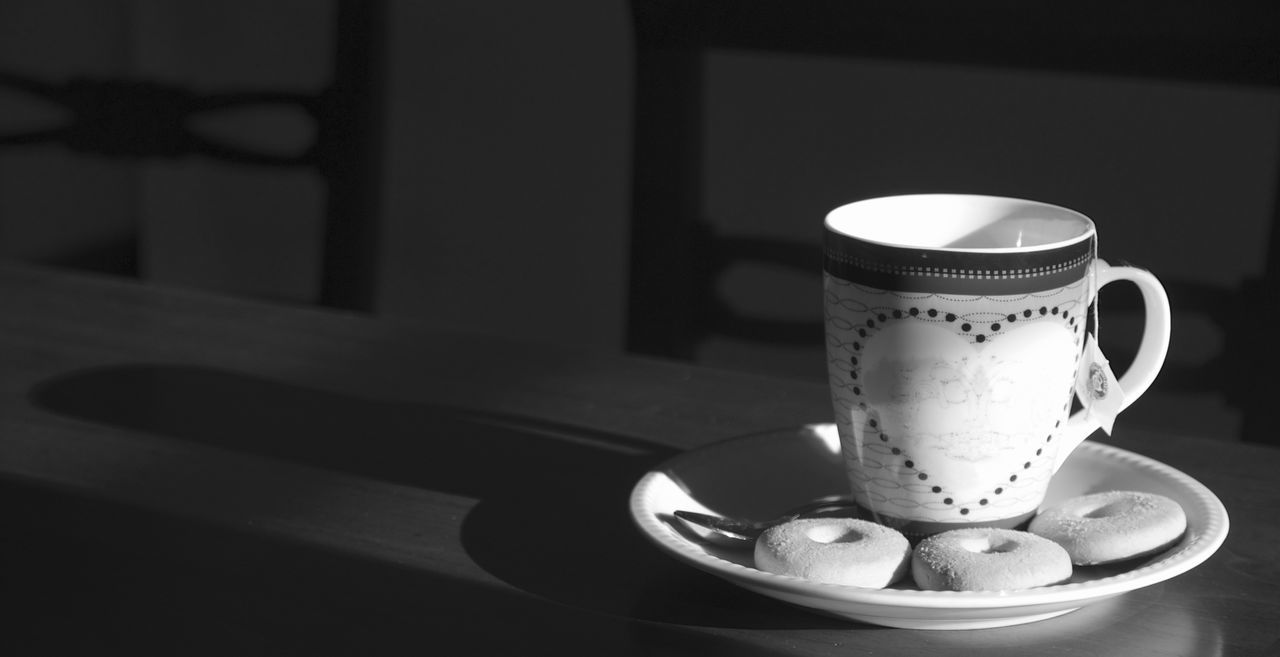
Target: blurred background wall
<point x="504" y="158"/>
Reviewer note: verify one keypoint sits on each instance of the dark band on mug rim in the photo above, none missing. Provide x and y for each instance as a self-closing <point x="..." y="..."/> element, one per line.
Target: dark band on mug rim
<point x="908" y="269"/>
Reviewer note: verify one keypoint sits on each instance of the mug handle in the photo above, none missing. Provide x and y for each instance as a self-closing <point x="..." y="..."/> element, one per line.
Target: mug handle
<point x="1151" y="351"/>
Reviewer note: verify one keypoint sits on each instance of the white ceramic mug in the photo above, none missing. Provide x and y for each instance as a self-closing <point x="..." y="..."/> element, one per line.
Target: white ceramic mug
<point x="956" y="329"/>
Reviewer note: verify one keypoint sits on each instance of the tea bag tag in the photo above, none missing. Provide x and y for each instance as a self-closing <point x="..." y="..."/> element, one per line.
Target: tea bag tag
<point x="1097" y="388"/>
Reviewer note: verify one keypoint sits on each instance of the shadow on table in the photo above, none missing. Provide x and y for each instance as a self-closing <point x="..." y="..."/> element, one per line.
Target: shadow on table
<point x="551" y="517"/>
<point x="175" y="588"/>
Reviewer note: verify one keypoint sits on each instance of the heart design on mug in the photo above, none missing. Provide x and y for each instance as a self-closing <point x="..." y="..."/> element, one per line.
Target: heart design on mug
<point x="968" y="414"/>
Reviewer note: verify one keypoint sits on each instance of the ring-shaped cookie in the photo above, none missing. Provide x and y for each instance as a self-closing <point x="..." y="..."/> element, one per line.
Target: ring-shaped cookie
<point x="988" y="559"/>
<point x="835" y="551"/>
<point x="1113" y="526"/>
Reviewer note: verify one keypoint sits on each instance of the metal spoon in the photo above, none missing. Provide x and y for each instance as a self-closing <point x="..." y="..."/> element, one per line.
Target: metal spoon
<point x="735" y="532"/>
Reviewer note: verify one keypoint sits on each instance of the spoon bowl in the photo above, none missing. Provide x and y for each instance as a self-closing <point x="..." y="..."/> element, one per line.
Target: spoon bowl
<point x="741" y="533"/>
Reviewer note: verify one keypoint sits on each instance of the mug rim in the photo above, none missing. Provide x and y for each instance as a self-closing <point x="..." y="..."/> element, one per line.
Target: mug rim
<point x="1086" y="231"/>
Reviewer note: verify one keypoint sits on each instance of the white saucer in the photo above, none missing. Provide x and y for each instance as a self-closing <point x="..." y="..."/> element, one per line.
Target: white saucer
<point x="760" y="476"/>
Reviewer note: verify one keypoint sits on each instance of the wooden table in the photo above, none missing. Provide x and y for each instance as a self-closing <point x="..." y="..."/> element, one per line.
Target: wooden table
<point x="190" y="474"/>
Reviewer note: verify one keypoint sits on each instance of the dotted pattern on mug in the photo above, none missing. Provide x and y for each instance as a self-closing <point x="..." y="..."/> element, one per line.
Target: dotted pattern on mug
<point x="889" y="474"/>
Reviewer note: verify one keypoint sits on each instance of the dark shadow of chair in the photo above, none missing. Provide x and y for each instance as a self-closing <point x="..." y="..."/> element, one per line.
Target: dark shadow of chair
<point x="677" y="258"/>
<point x="141" y="119"/>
